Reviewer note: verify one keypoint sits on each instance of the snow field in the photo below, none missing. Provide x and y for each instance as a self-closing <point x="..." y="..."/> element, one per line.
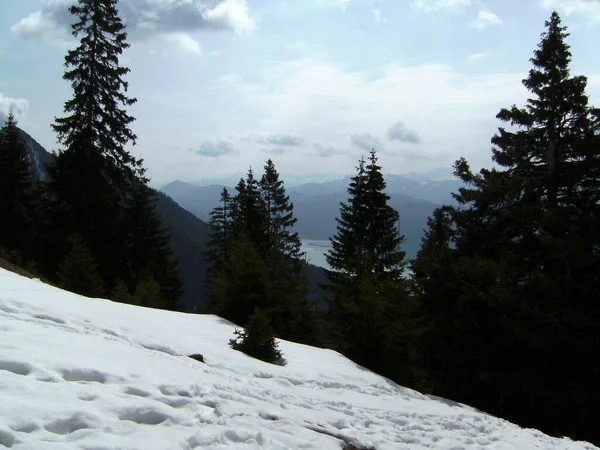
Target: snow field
<point x="80" y="373"/>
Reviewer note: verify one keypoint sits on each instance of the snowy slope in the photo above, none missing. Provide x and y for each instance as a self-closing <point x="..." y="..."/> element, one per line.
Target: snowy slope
<point x="93" y="374"/>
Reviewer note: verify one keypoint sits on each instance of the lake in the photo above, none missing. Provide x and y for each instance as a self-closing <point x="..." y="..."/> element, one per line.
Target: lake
<point x="315" y="251"/>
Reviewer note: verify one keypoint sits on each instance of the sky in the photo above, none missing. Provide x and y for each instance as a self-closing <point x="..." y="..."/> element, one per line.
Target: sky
<point x="224" y="85"/>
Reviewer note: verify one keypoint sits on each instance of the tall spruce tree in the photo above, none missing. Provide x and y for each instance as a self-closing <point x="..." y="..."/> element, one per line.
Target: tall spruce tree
<point x="92" y="177"/>
<point x="221" y="231"/>
<point x="148" y="251"/>
<point x="370" y="292"/>
<point x="97" y="122"/>
<point x="18" y="192"/>
<point x="527" y="240"/>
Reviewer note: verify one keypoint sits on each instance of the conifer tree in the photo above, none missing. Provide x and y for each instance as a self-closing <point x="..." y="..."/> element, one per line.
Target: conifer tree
<point x="242" y="283"/>
<point x="148" y="293"/>
<point x="526" y="257"/>
<point x="97" y="122"/>
<point x="257" y="339"/>
<point x="221" y="231"/>
<point x="148" y="252"/>
<point x="78" y="272"/>
<point x="369" y="290"/>
<point x="18" y="192"/>
<point x="90" y="179"/>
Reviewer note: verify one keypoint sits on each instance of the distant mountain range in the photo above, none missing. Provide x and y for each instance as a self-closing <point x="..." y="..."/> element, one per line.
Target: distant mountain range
<point x="316" y="205"/>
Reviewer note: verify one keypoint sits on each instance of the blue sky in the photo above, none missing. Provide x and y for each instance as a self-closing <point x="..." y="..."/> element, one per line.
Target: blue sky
<point x="312" y="84"/>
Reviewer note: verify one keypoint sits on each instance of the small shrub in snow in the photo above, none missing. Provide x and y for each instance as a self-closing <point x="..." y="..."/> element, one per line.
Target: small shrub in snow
<point x="257" y="339"/>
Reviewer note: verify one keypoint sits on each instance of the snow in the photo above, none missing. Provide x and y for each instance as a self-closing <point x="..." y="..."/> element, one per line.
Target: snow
<point x="80" y="373"/>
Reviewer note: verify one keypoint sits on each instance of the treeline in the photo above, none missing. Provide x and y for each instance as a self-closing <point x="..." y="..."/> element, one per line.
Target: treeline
<point x="90" y="225"/>
<point x="501" y="307"/>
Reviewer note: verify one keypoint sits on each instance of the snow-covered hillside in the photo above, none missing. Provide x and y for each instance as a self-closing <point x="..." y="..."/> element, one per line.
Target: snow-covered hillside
<point x="93" y="374"/>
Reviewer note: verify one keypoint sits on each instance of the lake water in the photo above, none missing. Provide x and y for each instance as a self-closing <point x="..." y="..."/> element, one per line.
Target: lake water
<point x="315" y="251"/>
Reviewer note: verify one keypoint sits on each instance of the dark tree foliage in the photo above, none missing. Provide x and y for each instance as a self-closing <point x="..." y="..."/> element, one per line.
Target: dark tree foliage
<point x="148" y="293"/>
<point x="89" y="179"/>
<point x="96" y="121"/>
<point x="279" y="214"/>
<point x="19" y="194"/>
<point x="78" y="272"/>
<point x="221" y="231"/>
<point x="148" y="252"/>
<point x="257" y="339"/>
<point x="241" y="283"/>
<point x="523" y="277"/>
<point x="256" y="259"/>
<point x="98" y="190"/>
<point x="370" y="304"/>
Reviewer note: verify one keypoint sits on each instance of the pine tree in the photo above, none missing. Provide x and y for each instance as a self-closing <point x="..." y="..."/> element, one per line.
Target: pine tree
<point x="97" y="122"/>
<point x="18" y="192"/>
<point x="369" y="290"/>
<point x="249" y="215"/>
<point x="121" y="293"/>
<point x="148" y="293"/>
<point x="257" y="339"/>
<point x="78" y="272"/>
<point x="279" y="214"/>
<point x="221" y="231"/>
<point x="148" y="252"/>
<point x="526" y="261"/>
<point x="242" y="283"/>
<point x="90" y="179"/>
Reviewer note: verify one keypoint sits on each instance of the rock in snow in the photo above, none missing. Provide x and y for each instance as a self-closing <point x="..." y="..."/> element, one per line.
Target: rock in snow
<point x="80" y="373"/>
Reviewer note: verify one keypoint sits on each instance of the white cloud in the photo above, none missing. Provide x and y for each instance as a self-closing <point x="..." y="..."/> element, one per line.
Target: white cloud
<point x="590" y="8"/>
<point x="434" y="5"/>
<point x="454" y="112"/>
<point x="231" y="14"/>
<point x="366" y="141"/>
<point x="326" y="150"/>
<point x="281" y="139"/>
<point x="475" y="56"/>
<point x="486" y="19"/>
<point x="164" y="21"/>
<point x="215" y="148"/>
<point x="180" y="42"/>
<point x="19" y="107"/>
<point x="400" y="132"/>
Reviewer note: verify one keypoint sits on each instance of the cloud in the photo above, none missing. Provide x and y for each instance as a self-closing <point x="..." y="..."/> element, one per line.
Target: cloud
<point x="326" y="150"/>
<point x="590" y="8"/>
<point x="19" y="107"/>
<point x="400" y="132"/>
<point x="329" y="103"/>
<point x="215" y="148"/>
<point x="435" y="5"/>
<point x="145" y="19"/>
<point x="475" y="56"/>
<point x="180" y="42"/>
<point x="486" y="19"/>
<point x="366" y="141"/>
<point x="283" y="139"/>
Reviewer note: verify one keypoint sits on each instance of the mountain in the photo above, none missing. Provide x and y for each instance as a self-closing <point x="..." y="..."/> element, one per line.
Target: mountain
<point x="84" y="373"/>
<point x="316" y="205"/>
<point x="417" y="186"/>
